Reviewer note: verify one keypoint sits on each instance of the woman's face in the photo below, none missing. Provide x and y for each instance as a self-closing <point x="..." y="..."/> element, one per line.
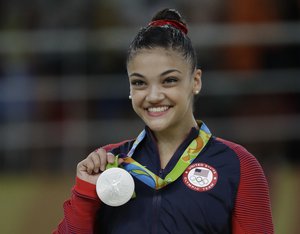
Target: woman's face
<point x="162" y="87"/>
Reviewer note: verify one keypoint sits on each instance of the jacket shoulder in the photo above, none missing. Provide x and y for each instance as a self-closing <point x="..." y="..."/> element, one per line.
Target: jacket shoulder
<point x="252" y="211"/>
<point x="120" y="147"/>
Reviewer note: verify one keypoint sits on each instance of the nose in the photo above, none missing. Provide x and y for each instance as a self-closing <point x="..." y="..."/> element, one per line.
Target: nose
<point x="155" y="94"/>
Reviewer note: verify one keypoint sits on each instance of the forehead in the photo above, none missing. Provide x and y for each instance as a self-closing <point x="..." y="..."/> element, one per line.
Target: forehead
<point x="156" y="60"/>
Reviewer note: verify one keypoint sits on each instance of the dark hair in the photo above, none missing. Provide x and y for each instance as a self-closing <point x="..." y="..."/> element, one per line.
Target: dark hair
<point x="166" y="36"/>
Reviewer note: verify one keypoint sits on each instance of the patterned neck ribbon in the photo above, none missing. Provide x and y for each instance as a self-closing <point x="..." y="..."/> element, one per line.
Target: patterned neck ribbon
<point x="152" y="180"/>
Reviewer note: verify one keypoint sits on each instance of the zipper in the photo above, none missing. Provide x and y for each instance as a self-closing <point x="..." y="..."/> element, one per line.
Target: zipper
<point x="156" y="203"/>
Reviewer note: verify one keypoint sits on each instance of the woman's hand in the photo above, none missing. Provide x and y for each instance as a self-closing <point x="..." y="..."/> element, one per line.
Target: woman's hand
<point x="90" y="168"/>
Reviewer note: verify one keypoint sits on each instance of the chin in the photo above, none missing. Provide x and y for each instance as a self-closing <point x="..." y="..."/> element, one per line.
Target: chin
<point x="157" y="126"/>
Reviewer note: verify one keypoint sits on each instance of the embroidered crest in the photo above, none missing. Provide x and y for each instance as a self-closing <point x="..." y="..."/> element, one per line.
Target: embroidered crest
<point x="200" y="177"/>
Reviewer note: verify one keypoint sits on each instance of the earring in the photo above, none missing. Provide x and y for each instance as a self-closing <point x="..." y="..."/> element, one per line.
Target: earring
<point x="197" y="92"/>
<point x="129" y="97"/>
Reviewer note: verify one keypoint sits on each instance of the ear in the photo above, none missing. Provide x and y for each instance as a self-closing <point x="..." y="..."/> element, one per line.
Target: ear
<point x="197" y="81"/>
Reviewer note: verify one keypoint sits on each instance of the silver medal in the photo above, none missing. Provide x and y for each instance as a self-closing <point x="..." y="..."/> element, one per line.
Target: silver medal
<point x="115" y="186"/>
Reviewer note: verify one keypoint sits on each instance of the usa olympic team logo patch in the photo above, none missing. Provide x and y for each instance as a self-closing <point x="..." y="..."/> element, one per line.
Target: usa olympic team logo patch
<point x="200" y="177"/>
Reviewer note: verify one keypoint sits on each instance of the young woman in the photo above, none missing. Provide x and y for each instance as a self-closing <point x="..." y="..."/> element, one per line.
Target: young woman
<point x="186" y="180"/>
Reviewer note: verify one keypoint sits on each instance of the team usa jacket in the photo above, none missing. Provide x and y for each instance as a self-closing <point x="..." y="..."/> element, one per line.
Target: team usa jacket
<point x="224" y="190"/>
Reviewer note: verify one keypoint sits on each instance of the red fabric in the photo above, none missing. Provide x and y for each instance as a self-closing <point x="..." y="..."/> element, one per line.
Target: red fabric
<point x="252" y="212"/>
<point x="85" y="188"/>
<point x="80" y="210"/>
<point x="173" y="23"/>
<point x="113" y="146"/>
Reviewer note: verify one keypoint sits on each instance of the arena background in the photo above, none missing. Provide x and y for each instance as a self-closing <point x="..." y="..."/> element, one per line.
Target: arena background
<point x="64" y="92"/>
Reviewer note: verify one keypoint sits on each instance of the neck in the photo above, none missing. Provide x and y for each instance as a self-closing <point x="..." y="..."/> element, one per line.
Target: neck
<point x="169" y="140"/>
<point x="175" y="134"/>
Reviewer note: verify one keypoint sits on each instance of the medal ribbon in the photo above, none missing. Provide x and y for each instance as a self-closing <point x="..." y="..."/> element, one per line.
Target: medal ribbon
<point x="152" y="180"/>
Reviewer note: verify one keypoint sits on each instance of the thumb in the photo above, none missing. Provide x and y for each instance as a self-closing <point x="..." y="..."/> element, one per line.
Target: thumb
<point x="120" y="160"/>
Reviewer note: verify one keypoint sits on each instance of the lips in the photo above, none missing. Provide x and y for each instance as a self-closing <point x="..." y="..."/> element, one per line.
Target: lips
<point x="157" y="110"/>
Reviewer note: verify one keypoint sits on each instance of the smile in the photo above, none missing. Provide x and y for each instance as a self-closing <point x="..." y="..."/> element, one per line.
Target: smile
<point x="157" y="109"/>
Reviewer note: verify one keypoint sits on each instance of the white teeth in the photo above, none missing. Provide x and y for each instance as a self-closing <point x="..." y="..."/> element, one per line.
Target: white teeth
<point x="158" y="109"/>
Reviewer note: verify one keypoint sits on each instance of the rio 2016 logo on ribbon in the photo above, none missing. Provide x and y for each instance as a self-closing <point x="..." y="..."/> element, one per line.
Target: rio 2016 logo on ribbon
<point x="200" y="177"/>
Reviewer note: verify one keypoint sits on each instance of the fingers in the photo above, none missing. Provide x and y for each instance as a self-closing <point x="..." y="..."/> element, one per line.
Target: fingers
<point x="102" y="155"/>
<point x="110" y="158"/>
<point x="89" y="165"/>
<point x="120" y="160"/>
<point x="89" y="168"/>
<point x="85" y="166"/>
<point x="97" y="161"/>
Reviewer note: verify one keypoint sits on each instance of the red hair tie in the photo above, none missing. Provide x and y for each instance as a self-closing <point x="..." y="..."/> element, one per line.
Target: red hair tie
<point x="173" y="23"/>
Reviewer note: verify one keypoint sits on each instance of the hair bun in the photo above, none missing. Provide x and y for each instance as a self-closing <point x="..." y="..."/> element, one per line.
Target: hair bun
<point x="169" y="17"/>
<point x="168" y="14"/>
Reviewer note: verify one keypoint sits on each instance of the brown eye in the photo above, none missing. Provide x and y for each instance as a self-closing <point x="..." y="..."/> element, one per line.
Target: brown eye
<point x="171" y="80"/>
<point x="137" y="83"/>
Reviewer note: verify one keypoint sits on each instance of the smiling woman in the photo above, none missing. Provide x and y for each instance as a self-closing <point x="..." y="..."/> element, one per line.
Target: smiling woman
<point x="163" y="97"/>
<point x="186" y="180"/>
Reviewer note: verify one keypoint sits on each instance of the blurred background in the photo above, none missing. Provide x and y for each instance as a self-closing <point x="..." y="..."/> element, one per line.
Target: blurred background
<point x="64" y="92"/>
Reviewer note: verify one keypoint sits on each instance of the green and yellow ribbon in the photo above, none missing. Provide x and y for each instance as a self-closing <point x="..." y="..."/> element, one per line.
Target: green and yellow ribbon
<point x="149" y="178"/>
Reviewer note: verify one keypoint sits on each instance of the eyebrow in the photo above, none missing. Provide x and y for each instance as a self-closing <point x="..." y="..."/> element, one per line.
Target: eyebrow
<point x="162" y="74"/>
